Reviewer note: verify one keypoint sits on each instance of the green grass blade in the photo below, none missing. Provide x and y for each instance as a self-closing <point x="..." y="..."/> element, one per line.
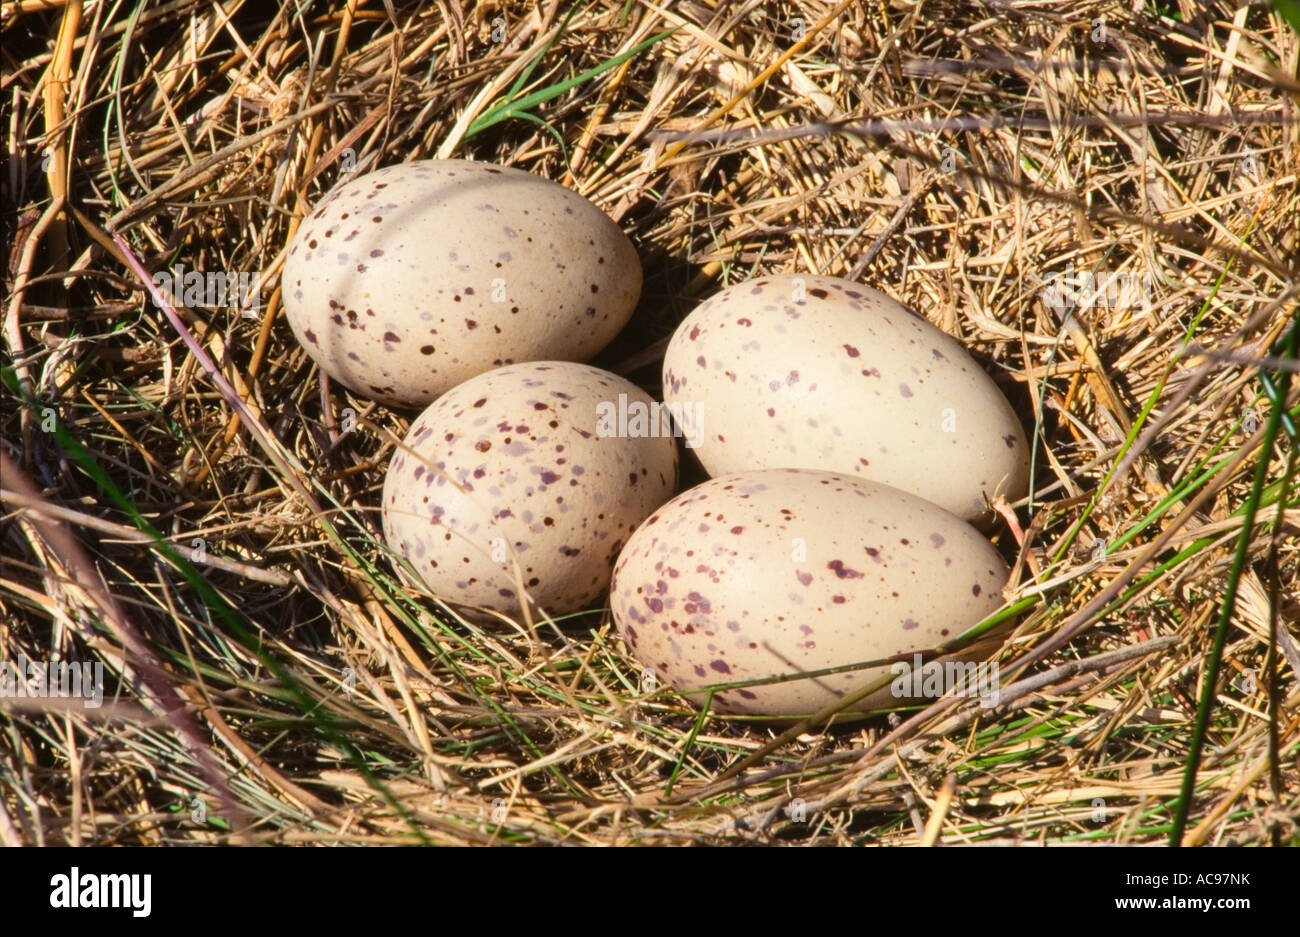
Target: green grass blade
<point x="211" y="597"/>
<point x="1226" y="609"/>
<point x="505" y="111"/>
<point x="1290" y="10"/>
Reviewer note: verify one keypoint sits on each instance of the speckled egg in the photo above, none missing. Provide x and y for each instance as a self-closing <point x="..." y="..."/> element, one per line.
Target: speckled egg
<point x="782" y="571"/>
<point x="821" y="373"/>
<point x="515" y="482"/>
<point x="409" y="280"/>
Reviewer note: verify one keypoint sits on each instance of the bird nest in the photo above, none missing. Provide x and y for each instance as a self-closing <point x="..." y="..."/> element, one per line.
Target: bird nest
<point x="1101" y="204"/>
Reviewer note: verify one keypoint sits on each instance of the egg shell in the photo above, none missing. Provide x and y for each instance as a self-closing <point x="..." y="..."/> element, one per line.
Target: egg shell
<point x="822" y="373"/>
<point x="783" y="571"/>
<point x="516" y="464"/>
<point x="411" y="279"/>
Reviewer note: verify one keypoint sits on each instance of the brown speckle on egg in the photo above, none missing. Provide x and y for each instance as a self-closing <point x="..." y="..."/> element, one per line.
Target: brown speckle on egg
<point x="669" y="606"/>
<point x="841" y="571"/>
<point x="916" y="371"/>
<point x="571" y="549"/>
<point x="398" y="262"/>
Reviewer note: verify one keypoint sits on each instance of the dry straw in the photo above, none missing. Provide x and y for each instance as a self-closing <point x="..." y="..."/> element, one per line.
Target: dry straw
<point x="186" y="500"/>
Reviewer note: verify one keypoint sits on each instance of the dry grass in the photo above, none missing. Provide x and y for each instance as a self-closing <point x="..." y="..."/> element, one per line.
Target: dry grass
<point x="275" y="683"/>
